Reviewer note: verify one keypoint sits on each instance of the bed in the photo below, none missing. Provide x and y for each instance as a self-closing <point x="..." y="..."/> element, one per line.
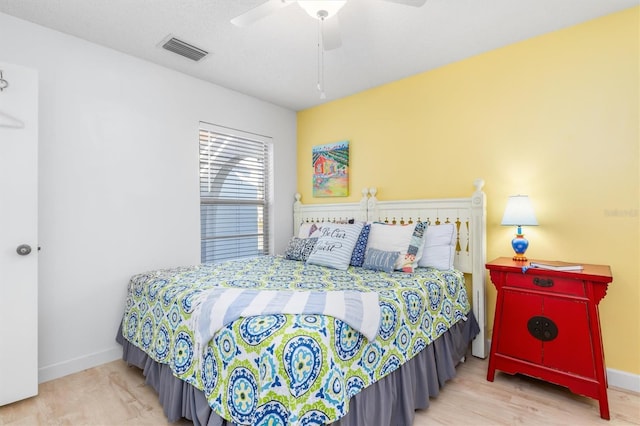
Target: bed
<point x="268" y="361"/>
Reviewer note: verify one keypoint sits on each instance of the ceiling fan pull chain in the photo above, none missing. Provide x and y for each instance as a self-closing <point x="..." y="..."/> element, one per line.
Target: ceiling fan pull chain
<point x="318" y="60"/>
<point x="322" y="14"/>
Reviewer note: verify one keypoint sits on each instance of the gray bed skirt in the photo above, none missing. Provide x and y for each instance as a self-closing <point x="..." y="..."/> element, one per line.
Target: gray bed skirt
<point x="390" y="401"/>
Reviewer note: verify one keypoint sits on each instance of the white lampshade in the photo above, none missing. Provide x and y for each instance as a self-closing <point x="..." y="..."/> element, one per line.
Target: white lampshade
<point x="313" y="6"/>
<point x="519" y="212"/>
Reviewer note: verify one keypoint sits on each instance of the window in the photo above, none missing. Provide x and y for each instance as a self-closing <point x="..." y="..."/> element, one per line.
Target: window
<point x="234" y="189"/>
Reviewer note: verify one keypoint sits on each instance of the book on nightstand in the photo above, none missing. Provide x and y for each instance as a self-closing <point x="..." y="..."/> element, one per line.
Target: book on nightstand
<point x="557" y="266"/>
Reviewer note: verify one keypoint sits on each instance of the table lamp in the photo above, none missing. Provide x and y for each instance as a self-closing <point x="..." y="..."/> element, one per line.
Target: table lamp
<point x="519" y="212"/>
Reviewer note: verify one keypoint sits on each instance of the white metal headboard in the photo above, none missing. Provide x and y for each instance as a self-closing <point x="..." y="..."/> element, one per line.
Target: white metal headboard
<point x="468" y="215"/>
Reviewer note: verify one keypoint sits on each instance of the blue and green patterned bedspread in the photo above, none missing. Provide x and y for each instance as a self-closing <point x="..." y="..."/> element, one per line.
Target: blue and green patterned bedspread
<point x="288" y="368"/>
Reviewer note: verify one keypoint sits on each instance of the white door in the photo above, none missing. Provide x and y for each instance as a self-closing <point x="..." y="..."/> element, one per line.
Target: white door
<point x="18" y="228"/>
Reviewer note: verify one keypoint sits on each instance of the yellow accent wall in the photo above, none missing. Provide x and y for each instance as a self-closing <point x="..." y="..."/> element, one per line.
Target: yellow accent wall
<point x="555" y="117"/>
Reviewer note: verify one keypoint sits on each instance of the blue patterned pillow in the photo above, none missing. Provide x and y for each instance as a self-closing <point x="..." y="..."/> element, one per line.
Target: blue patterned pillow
<point x="300" y="248"/>
<point x="335" y="245"/>
<point x="357" y="257"/>
<point x="380" y="260"/>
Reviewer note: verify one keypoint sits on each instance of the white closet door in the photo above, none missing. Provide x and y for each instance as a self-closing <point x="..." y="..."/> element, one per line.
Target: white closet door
<point x="18" y="233"/>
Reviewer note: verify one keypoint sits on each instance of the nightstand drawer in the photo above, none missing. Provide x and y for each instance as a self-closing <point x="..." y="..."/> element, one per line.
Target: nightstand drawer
<point x="546" y="283"/>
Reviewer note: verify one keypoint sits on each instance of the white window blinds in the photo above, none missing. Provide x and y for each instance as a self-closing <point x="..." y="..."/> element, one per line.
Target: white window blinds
<point x="234" y="205"/>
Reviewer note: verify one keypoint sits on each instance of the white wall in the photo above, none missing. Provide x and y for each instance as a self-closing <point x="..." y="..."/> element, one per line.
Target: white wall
<point x="118" y="184"/>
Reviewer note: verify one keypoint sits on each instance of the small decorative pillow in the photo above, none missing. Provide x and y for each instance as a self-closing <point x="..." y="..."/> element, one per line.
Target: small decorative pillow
<point x="300" y="248"/>
<point x="357" y="257"/>
<point x="380" y="260"/>
<point x="335" y="245"/>
<point x="409" y="261"/>
<point x="306" y="229"/>
<point x="407" y="239"/>
<point x="439" y="247"/>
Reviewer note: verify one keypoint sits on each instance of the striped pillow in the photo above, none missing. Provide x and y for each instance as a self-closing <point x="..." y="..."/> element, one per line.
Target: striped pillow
<point x="335" y="245"/>
<point x="439" y="248"/>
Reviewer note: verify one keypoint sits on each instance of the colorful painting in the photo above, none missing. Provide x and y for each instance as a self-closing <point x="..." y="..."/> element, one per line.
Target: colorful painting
<point x="331" y="170"/>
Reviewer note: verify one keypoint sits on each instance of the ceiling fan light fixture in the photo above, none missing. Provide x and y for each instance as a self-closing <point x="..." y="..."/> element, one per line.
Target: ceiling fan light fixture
<point x="314" y="7"/>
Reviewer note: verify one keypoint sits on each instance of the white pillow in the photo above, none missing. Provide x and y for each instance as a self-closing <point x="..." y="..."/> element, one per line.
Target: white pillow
<point x="439" y="247"/>
<point x="306" y="229"/>
<point x="397" y="238"/>
<point x="335" y="244"/>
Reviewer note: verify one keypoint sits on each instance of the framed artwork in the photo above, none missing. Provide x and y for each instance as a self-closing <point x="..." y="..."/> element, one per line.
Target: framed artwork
<point x="331" y="170"/>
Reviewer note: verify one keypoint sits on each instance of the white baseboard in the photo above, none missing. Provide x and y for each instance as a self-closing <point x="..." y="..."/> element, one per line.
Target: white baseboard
<point x="623" y="380"/>
<point x="55" y="371"/>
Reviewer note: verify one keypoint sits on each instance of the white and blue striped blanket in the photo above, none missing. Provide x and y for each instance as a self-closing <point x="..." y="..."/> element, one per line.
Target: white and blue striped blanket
<point x="218" y="307"/>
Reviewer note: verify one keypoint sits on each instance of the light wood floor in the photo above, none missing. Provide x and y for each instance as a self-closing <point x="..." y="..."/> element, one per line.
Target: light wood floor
<point x="114" y="394"/>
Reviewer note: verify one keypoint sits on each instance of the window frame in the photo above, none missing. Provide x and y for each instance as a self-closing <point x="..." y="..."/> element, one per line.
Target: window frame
<point x="266" y="202"/>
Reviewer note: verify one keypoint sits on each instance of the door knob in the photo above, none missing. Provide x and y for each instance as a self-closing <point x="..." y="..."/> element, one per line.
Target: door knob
<point x="23" y="249"/>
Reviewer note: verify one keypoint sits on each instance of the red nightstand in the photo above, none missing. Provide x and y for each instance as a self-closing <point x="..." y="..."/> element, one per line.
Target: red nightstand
<point x="547" y="326"/>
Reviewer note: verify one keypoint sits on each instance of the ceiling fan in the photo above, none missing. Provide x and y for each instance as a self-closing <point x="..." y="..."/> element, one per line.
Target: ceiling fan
<point x="318" y="9"/>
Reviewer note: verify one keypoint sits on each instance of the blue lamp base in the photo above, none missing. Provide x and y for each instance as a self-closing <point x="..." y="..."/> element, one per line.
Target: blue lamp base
<point x="520" y="245"/>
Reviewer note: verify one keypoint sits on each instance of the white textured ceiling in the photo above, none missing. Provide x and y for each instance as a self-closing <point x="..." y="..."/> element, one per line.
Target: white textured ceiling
<point x="275" y="59"/>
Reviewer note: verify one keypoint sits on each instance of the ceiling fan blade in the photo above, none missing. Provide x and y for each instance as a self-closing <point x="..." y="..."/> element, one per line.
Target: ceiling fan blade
<point x="415" y="3"/>
<point x="259" y="12"/>
<point x="331" y="33"/>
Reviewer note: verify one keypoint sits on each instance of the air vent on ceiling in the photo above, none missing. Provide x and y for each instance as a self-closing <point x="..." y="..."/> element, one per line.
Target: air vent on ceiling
<point x="187" y="50"/>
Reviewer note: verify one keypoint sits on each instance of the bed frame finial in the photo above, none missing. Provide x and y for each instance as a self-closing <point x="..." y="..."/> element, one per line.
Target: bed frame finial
<point x="372" y="205"/>
<point x="297" y="213"/>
